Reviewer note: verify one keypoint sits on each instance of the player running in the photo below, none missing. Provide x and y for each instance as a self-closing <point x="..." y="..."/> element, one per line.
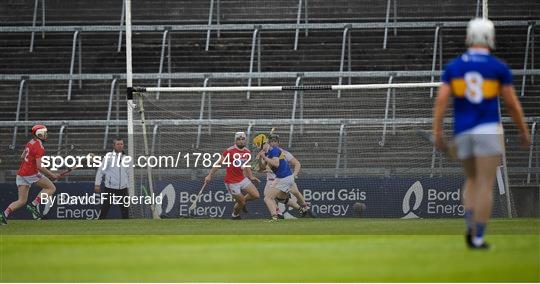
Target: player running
<point x="299" y="204"/>
<point x="475" y="80"/>
<point x="238" y="177"/>
<point x="279" y="189"/>
<point x="30" y="171"/>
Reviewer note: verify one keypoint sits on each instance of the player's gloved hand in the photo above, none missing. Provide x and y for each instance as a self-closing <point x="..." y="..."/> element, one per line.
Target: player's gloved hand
<point x="207" y="179"/>
<point x="439" y="140"/>
<point x="97" y="189"/>
<point x="525" y="139"/>
<point x="55" y="176"/>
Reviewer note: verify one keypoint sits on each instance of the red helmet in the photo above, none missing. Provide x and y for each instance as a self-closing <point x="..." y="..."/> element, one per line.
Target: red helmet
<point x="40" y="131"/>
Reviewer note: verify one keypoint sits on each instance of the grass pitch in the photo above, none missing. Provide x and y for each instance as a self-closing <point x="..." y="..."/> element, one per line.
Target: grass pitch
<point x="314" y="250"/>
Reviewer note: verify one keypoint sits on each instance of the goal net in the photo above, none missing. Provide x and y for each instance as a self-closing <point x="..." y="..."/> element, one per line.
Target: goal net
<point x="358" y="145"/>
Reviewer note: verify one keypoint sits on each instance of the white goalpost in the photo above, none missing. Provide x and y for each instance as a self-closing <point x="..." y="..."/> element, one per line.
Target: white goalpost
<point x="356" y="143"/>
<point x="130" y="110"/>
<point x="368" y="131"/>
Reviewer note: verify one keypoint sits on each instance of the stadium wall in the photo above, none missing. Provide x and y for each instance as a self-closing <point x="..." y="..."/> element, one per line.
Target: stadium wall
<point x="370" y="197"/>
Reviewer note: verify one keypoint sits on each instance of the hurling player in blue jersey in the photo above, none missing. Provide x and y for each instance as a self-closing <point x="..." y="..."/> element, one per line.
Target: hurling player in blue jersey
<point x="475" y="80"/>
<point x="275" y="158"/>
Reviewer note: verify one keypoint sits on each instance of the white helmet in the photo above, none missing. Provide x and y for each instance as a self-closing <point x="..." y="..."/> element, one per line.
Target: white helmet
<point x="240" y="134"/>
<point x="481" y="32"/>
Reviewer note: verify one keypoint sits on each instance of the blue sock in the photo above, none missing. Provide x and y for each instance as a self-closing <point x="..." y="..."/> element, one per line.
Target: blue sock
<point x="469" y="219"/>
<point x="480" y="228"/>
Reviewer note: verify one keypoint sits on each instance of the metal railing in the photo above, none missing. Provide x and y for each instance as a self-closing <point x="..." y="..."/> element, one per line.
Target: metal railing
<point x="250" y="27"/>
<point x="341" y="123"/>
<point x="529" y="45"/>
<point x="390" y="93"/>
<point x="255" y="45"/>
<point x="165" y="42"/>
<point x="256" y="41"/>
<point x="345" y="45"/>
<point x="531" y="147"/>
<point x="76" y="39"/>
<point x="122" y="16"/>
<point x="210" y="20"/>
<point x="387" y="19"/>
<point x="247" y="27"/>
<point x="23" y="89"/>
<point x="437" y="42"/>
<point x="298" y="95"/>
<point x="201" y="113"/>
<point x="115" y="89"/>
<point x="298" y="19"/>
<point x="34" y="19"/>
<point x="294" y="106"/>
<point x="238" y="75"/>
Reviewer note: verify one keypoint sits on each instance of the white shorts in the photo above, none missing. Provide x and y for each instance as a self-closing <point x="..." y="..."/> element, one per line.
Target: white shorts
<point x="481" y="141"/>
<point x="236" y="188"/>
<point x="28" y="180"/>
<point x="284" y="184"/>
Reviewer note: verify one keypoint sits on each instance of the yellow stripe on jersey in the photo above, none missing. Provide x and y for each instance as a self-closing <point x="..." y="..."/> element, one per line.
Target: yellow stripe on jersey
<point x="458" y="87"/>
<point x="490" y="88"/>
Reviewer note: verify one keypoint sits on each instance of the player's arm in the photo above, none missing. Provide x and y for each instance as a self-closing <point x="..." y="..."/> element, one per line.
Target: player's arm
<point x="296" y="165"/>
<point x="46" y="171"/>
<point x="513" y="106"/>
<point x="214" y="169"/>
<point x="439" y="109"/>
<point x="263" y="164"/>
<point x="23" y="154"/>
<point x="249" y="174"/>
<point x="273" y="162"/>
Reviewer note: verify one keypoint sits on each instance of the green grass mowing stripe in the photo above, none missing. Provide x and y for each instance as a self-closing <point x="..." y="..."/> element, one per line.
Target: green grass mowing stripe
<point x="267" y="258"/>
<point x="255" y="227"/>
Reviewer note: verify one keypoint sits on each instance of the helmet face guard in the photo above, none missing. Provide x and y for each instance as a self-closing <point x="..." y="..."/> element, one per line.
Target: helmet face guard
<point x="273" y="137"/>
<point x="240" y="139"/>
<point x="40" y="131"/>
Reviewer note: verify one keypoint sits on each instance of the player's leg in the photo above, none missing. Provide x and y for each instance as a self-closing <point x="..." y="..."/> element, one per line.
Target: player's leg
<point x="22" y="198"/>
<point x="304" y="206"/>
<point x="299" y="197"/>
<point x="47" y="189"/>
<point x="238" y="205"/>
<point x="468" y="198"/>
<point x="267" y="187"/>
<point x="294" y="204"/>
<point x="465" y="153"/>
<point x="487" y="148"/>
<point x="251" y="192"/>
<point x="235" y="190"/>
<point x="486" y="170"/>
<point x="270" y="200"/>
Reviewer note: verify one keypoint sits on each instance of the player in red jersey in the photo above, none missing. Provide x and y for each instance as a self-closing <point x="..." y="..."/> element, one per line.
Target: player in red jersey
<point x="238" y="177"/>
<point x="30" y="171"/>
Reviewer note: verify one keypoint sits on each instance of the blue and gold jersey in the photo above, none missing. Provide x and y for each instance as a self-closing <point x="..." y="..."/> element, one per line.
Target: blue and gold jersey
<point x="476" y="78"/>
<point x="284" y="170"/>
